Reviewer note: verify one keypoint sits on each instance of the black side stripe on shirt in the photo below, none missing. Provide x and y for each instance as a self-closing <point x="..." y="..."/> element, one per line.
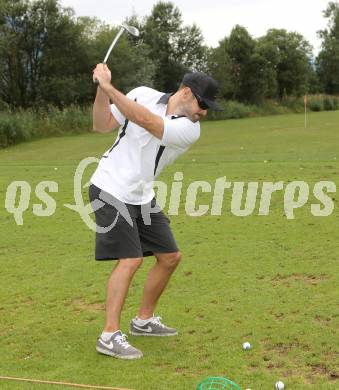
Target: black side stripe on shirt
<point x="159" y="154"/>
<point x="162" y="148"/>
<point x="121" y="135"/>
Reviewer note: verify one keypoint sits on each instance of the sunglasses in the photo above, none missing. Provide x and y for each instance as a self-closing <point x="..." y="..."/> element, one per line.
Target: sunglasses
<point x="201" y="103"/>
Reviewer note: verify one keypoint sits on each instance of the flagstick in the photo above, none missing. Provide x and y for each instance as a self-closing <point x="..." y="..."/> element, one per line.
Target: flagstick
<point x="305" y="104"/>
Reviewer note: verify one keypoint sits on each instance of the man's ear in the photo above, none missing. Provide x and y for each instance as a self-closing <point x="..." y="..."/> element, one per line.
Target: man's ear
<point x="186" y="91"/>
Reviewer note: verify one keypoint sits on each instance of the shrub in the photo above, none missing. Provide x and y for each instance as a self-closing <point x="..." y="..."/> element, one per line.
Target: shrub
<point x="22" y="125"/>
<point x="12" y="130"/>
<point x="272" y="107"/>
<point x="294" y="104"/>
<point x="328" y="104"/>
<point x="3" y="106"/>
<point x="231" y="110"/>
<point x="335" y="102"/>
<point x="315" y="103"/>
<point x="70" y="120"/>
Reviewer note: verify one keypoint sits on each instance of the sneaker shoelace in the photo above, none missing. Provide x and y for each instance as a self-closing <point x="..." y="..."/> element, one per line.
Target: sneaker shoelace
<point x="157" y="321"/>
<point x="122" y="341"/>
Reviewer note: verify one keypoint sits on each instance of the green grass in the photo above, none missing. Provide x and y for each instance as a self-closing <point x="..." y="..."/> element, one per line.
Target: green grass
<point x="263" y="279"/>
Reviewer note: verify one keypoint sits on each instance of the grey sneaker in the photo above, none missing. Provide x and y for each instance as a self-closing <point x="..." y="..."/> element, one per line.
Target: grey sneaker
<point x="153" y="327"/>
<point x="118" y="347"/>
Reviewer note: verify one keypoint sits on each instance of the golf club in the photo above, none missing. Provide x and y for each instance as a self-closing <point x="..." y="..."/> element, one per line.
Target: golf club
<point x="124" y="27"/>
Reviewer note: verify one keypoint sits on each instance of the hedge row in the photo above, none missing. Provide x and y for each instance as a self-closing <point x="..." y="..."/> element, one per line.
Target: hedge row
<point x="18" y="126"/>
<point x="22" y="125"/>
<point x="236" y="110"/>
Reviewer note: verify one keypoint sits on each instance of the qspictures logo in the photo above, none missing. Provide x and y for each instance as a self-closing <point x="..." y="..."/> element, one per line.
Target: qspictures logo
<point x="246" y="198"/>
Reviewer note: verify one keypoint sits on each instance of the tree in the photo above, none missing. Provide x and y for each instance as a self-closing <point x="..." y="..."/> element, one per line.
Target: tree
<point x="173" y="48"/>
<point x="11" y="37"/>
<point x="64" y="62"/>
<point x="247" y="66"/>
<point x="291" y="57"/>
<point x="41" y="54"/>
<point x="47" y="55"/>
<point x="270" y="52"/>
<point x="241" y="67"/>
<point x="328" y="58"/>
<point x="220" y="66"/>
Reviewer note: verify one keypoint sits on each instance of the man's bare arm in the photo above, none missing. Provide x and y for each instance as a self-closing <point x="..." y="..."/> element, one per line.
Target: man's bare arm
<point x="131" y="110"/>
<point x="103" y="120"/>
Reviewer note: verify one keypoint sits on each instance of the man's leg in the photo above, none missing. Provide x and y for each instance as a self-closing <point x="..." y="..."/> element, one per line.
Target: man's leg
<point x="156" y="282"/>
<point x="117" y="289"/>
<point x="112" y="341"/>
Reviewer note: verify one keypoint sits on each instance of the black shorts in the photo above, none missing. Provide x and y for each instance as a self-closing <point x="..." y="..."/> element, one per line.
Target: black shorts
<point x="129" y="231"/>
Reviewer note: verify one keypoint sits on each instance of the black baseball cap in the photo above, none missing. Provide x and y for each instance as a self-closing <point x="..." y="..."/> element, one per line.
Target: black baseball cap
<point x="204" y="86"/>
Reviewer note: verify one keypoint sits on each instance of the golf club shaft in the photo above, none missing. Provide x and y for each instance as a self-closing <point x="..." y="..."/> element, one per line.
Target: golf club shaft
<point x="111" y="48"/>
<point x="113" y="44"/>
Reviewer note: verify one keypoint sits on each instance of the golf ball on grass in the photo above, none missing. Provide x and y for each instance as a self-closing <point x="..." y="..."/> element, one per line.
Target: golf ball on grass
<point x="246" y="346"/>
<point x="279" y="385"/>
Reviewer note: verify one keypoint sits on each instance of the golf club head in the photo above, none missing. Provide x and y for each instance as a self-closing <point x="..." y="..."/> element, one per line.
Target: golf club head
<point x="132" y="30"/>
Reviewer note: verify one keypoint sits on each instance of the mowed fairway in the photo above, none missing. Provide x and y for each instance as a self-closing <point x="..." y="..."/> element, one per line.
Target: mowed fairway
<point x="268" y="280"/>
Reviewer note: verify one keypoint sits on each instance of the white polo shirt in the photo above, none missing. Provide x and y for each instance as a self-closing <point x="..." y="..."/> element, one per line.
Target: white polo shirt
<point x="127" y="170"/>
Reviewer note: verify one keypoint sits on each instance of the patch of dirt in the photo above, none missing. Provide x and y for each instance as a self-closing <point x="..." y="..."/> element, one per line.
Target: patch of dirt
<point x="81" y="304"/>
<point x="309" y="279"/>
<point x="321" y="369"/>
<point x="162" y="365"/>
<point x="282" y="348"/>
<point x="323" y="320"/>
<point x="334" y="376"/>
<point x="180" y="370"/>
<point x="279" y="316"/>
<point x="204" y="356"/>
<point x="275" y="365"/>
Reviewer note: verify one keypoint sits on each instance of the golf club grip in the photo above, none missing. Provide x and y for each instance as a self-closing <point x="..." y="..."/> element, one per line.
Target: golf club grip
<point x="96" y="82"/>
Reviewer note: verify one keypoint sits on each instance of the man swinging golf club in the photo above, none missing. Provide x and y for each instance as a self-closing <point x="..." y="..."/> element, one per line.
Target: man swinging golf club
<point x="155" y="128"/>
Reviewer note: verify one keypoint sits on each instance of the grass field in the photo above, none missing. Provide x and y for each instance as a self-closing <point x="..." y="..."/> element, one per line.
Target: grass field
<point x="268" y="280"/>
